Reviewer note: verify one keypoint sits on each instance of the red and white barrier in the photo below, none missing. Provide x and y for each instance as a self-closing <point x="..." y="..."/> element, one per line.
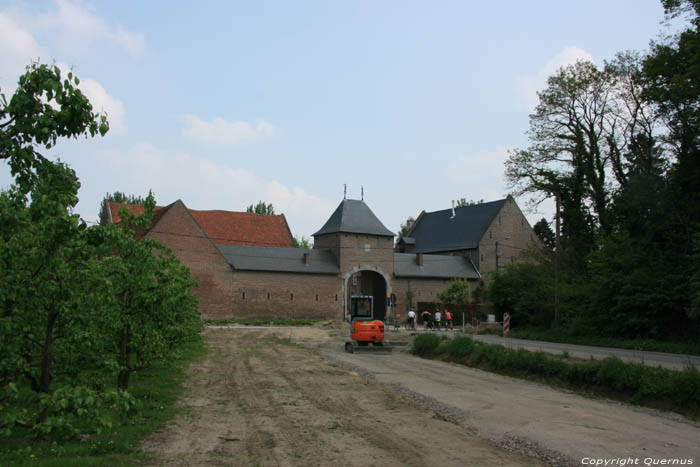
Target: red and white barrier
<point x="506" y="323"/>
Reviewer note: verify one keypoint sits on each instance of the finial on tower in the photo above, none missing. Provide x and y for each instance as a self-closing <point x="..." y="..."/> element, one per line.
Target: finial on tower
<point x="362" y="192"/>
<point x="345" y="190"/>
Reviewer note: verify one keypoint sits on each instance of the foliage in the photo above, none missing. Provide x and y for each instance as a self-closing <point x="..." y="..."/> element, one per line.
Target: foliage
<point x="80" y="307"/>
<point x="403" y="229"/>
<point x="117" y="197"/>
<point x="44" y="107"/>
<point x="545" y="233"/>
<point x="526" y="292"/>
<point x="425" y="344"/>
<point x="618" y="149"/>
<point x="261" y="208"/>
<point x="462" y="202"/>
<point x="611" y="377"/>
<point x="458" y="292"/>
<point x="302" y="242"/>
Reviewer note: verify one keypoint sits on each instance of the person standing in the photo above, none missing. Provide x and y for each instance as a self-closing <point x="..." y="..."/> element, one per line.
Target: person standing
<point x="448" y="319"/>
<point x="438" y="317"/>
<point x="412" y="319"/>
<point x="427" y="320"/>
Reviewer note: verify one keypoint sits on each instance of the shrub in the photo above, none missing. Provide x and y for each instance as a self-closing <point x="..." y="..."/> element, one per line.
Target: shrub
<point x="426" y="344"/>
<point x="459" y="347"/>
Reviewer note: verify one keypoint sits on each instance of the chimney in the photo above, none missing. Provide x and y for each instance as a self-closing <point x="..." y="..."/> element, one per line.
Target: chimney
<point x="409" y="224"/>
<point x="453" y="209"/>
<point x="307" y="258"/>
<point x="419" y="259"/>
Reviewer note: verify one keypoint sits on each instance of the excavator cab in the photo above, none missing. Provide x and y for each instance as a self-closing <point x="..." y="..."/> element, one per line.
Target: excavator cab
<point x="367" y="334"/>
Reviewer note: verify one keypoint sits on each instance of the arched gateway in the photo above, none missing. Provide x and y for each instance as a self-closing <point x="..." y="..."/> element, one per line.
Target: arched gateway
<point x="364" y="249"/>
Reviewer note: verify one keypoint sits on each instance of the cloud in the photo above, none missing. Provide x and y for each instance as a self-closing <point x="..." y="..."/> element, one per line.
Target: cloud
<point x="202" y="184"/>
<point x="479" y="171"/>
<point x="78" y="26"/>
<point x="526" y="86"/>
<point x="18" y="49"/>
<point x="103" y="102"/>
<point x="219" y="131"/>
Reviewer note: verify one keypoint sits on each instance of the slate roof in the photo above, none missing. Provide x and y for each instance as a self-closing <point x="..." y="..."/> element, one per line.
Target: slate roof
<point x="252" y="258"/>
<point x="354" y="216"/>
<point x="438" y="266"/>
<point x="244" y="228"/>
<point x="439" y="231"/>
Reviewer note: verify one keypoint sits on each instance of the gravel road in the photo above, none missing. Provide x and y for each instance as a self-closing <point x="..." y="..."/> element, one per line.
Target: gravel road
<point x="559" y="427"/>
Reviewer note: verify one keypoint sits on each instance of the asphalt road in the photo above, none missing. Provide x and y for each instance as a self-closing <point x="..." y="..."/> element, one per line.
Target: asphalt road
<point x="668" y="360"/>
<point x="502" y="408"/>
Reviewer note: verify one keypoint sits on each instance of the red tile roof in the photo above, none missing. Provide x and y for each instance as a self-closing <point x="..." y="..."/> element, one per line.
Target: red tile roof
<point x="132" y="208"/>
<point x="244" y="228"/>
<point x="227" y="227"/>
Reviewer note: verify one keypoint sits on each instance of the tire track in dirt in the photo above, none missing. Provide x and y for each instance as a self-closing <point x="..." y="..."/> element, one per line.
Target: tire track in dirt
<point x="256" y="400"/>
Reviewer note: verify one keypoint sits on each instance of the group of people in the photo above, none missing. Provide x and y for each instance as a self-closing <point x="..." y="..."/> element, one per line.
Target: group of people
<point x="430" y="321"/>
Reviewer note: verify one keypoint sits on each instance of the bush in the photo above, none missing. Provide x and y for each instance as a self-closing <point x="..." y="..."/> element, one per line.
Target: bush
<point x="426" y="344"/>
<point x="459" y="347"/>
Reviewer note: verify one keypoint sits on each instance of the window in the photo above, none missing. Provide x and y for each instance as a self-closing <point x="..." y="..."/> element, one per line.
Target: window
<point x="291" y="297"/>
<point x="243" y="295"/>
<point x="268" y="295"/>
<point x="316" y="297"/>
<point x="336" y="297"/>
<point x="367" y="247"/>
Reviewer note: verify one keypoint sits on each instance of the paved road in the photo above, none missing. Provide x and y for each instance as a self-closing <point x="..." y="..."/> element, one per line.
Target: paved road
<point x="668" y="360"/>
<point x="501" y="408"/>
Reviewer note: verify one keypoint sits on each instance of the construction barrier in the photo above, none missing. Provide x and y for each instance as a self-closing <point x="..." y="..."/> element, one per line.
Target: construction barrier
<point x="506" y="323"/>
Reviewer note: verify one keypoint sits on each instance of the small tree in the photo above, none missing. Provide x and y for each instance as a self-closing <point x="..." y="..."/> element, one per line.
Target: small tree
<point x="403" y="229"/>
<point x="302" y="242"/>
<point x="462" y="202"/>
<point x="117" y="197"/>
<point x="458" y="292"/>
<point x="262" y="208"/>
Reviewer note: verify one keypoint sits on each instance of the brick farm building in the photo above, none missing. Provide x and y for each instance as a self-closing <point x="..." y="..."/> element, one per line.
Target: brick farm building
<point x="246" y="265"/>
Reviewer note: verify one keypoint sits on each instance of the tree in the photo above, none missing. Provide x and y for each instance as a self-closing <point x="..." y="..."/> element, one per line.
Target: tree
<point x="458" y="292"/>
<point x="462" y="202"/>
<point x="44" y="107"/>
<point x="262" y="208"/>
<point x="403" y="229"/>
<point x="117" y="197"/>
<point x="302" y="242"/>
<point x="545" y="233"/>
<point x="43" y="244"/>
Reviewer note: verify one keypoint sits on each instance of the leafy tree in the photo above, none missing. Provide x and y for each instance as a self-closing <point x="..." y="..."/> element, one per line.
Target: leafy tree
<point x="462" y="202"/>
<point x="117" y="197"/>
<point x="262" y="208"/>
<point x="526" y="292"/>
<point x="458" y="292"/>
<point x="403" y="230"/>
<point x="44" y="107"/>
<point x="302" y="242"/>
<point x="545" y="233"/>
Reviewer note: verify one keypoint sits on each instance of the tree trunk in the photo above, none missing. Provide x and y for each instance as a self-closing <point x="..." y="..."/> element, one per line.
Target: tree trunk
<point x="46" y="357"/>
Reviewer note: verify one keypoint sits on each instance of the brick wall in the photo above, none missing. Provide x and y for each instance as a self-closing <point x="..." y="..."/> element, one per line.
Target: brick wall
<point x="513" y="233"/>
<point x="178" y="230"/>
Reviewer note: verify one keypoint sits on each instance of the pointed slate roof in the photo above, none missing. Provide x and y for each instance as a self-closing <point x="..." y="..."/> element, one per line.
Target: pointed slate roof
<point x="439" y="231"/>
<point x="354" y="216"/>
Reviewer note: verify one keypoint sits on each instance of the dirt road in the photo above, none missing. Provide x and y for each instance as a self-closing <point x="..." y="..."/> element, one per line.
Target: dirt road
<point x="257" y="401"/>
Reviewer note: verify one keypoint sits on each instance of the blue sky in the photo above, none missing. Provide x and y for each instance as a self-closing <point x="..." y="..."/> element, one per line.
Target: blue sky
<point x="222" y="104"/>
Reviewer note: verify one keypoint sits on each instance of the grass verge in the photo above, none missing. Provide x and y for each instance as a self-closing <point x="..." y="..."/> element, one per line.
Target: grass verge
<point x="652" y="345"/>
<point x="262" y="322"/>
<point x="156" y="389"/>
<point x="611" y="378"/>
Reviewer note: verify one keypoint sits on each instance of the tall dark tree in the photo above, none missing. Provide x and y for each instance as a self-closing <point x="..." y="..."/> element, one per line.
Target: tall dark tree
<point x="262" y="208"/>
<point x="545" y="233"/>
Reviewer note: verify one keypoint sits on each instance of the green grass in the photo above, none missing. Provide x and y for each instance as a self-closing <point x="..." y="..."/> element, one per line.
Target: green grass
<point x="156" y="389"/>
<point x="612" y="378"/>
<point x="262" y="322"/>
<point x="690" y="347"/>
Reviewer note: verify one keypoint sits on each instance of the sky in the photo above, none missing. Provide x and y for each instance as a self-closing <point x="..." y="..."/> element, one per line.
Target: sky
<point x="223" y="103"/>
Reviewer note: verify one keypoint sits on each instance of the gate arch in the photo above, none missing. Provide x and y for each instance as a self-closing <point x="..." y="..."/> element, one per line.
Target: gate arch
<point x="371" y="281"/>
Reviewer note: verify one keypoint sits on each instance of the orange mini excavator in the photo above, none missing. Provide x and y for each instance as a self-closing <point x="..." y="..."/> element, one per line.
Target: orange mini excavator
<point x="367" y="334"/>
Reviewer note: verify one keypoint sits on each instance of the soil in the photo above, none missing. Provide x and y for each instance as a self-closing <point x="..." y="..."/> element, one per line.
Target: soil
<point x="257" y="400"/>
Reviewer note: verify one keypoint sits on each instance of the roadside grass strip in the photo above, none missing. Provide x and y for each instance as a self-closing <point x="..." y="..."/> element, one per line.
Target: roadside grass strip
<point x="688" y="347"/>
<point x="155" y="390"/>
<point x="634" y="383"/>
